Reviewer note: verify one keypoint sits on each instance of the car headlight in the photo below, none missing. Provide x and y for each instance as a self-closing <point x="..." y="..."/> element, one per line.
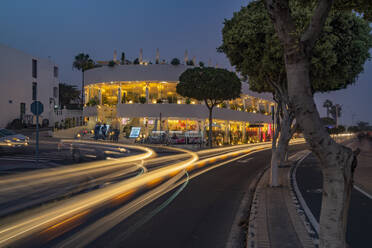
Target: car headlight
<point x="7" y="141"/>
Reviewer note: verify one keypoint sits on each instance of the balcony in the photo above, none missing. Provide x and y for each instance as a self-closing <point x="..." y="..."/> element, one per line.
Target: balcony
<point x="191" y="111"/>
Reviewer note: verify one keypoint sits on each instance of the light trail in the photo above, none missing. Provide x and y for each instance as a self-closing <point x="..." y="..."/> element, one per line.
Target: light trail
<point x="17" y="229"/>
<point x="87" y="235"/>
<point x="70" y="207"/>
<point x="30" y="179"/>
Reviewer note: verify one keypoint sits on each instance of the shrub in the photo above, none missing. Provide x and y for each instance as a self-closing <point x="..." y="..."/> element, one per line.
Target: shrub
<point x="15" y="124"/>
<point x="175" y="61"/>
<point x="171" y="99"/>
<point x="142" y="99"/>
<point x="45" y="123"/>
<point x="111" y="63"/>
<point x="93" y="101"/>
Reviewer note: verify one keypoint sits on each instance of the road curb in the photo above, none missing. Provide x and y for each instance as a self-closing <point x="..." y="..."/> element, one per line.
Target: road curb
<point x="239" y="229"/>
<point x="251" y="208"/>
<point x="258" y="235"/>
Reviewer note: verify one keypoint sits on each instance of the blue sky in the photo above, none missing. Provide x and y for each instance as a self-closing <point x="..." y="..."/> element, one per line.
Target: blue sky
<point x="62" y="29"/>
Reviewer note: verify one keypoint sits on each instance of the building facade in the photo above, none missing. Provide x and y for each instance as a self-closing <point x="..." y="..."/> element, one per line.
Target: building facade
<point x="144" y="95"/>
<point x="19" y="74"/>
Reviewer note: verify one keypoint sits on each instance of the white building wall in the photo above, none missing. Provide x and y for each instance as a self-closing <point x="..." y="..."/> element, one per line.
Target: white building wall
<point x="16" y="84"/>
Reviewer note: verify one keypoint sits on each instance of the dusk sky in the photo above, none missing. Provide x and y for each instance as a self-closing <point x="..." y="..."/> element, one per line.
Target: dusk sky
<point x="62" y="29"/>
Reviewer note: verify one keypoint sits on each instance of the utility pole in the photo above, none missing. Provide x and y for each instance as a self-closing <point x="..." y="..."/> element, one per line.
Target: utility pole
<point x="36" y="108"/>
<point x="34" y="97"/>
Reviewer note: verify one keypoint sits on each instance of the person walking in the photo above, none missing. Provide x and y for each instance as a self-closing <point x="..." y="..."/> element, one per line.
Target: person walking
<point x="96" y="131"/>
<point x="104" y="131"/>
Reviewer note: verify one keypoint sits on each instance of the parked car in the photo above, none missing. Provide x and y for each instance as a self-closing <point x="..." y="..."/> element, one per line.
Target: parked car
<point x="10" y="140"/>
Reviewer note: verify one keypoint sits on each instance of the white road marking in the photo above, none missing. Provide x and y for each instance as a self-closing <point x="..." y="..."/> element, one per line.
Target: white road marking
<point x="244" y="160"/>
<point x="302" y="201"/>
<point x="363" y="192"/>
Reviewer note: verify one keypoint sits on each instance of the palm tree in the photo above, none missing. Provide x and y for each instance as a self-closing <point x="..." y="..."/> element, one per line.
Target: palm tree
<point x="335" y="111"/>
<point x="328" y="105"/>
<point x="82" y="63"/>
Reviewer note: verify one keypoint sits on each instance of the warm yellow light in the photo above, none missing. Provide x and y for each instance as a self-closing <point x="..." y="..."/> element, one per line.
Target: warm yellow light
<point x="130" y="101"/>
<point x="153" y="101"/>
<point x="192" y="102"/>
<point x="179" y="102"/>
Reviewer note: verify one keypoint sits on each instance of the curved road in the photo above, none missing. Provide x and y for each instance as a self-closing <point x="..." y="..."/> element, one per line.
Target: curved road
<point x="137" y="212"/>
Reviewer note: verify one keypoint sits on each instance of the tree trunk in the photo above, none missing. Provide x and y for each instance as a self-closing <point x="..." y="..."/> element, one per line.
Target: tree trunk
<point x="210" y="128"/>
<point x="285" y="137"/>
<point x="274" y="161"/>
<point x="280" y="146"/>
<point x="336" y="160"/>
<point x="283" y="144"/>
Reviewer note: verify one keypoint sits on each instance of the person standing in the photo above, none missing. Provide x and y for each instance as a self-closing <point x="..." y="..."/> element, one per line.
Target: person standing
<point x="96" y="131"/>
<point x="104" y="131"/>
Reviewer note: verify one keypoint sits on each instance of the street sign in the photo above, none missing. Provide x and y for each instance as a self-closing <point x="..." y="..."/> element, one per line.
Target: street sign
<point x="37" y="108"/>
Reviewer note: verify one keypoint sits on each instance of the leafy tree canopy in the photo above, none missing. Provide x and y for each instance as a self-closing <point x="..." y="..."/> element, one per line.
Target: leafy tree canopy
<point x="175" y="61"/>
<point x="363" y="7"/>
<point x="252" y="46"/>
<point x="68" y="94"/>
<point x="212" y="85"/>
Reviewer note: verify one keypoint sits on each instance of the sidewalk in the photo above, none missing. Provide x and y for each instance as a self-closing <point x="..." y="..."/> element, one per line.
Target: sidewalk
<point x="363" y="172"/>
<point x="275" y="221"/>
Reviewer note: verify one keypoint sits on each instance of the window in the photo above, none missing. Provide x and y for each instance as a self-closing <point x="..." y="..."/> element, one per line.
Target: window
<point x="55" y="71"/>
<point x="34" y="68"/>
<point x="23" y="108"/>
<point x="55" y="92"/>
<point x="34" y="91"/>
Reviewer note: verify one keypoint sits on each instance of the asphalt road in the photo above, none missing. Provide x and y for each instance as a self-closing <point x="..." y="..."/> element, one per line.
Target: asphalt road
<point x="200" y="216"/>
<point x="22" y="198"/>
<point x="309" y="180"/>
<point x="198" y="213"/>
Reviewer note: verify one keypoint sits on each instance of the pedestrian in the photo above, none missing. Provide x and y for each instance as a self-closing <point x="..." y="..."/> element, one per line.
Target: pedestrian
<point x="104" y="131"/>
<point x="96" y="131"/>
<point x="116" y="135"/>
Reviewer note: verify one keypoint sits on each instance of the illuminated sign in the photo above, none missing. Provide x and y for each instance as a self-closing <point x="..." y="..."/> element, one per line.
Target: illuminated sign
<point x="134" y="132"/>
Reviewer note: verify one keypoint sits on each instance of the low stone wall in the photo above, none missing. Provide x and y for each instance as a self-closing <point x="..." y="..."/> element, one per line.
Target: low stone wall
<point x="69" y="133"/>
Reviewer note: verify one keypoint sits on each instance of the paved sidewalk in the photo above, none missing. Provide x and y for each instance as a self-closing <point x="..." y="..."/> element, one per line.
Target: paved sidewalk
<point x="363" y="172"/>
<point x="275" y="220"/>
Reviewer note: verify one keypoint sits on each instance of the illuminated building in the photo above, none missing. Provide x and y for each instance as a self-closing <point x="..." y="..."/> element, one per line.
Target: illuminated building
<point x="145" y="95"/>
